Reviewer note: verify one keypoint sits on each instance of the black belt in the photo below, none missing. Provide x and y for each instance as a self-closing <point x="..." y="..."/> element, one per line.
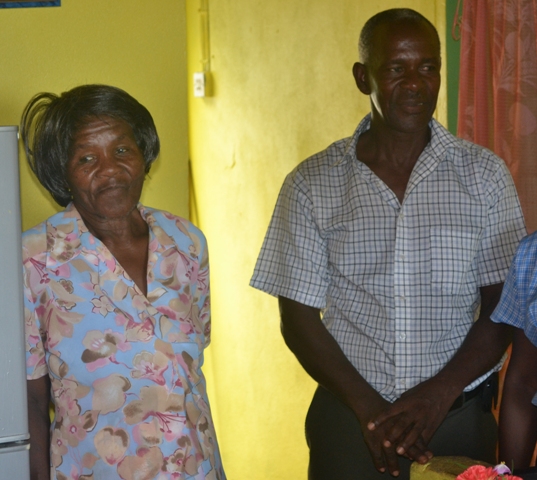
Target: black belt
<point x="491" y="383"/>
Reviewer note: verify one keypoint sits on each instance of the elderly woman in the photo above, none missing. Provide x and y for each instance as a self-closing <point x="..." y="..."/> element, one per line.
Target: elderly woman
<point x="518" y="307"/>
<point x="116" y="302"/>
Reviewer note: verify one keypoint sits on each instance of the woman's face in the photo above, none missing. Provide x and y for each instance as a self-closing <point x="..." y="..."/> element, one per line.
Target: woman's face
<point x="106" y="169"/>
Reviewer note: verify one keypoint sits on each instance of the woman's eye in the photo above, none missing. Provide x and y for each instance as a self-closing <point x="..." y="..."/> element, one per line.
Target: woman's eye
<point x="86" y="159"/>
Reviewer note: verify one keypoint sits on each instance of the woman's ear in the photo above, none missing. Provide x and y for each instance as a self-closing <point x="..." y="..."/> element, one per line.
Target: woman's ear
<point x="359" y="70"/>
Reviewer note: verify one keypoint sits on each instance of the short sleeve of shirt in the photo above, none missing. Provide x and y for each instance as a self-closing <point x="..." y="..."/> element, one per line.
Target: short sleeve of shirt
<point x="293" y="259"/>
<point x="34" y="279"/>
<point x="505" y="224"/>
<point x="518" y="303"/>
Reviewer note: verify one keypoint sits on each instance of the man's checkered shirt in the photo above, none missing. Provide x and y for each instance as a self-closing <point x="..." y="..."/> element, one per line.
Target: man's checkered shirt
<point x="398" y="284"/>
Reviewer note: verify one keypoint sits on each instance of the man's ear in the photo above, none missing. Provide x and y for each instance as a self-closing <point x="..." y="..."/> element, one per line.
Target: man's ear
<point x="359" y="70"/>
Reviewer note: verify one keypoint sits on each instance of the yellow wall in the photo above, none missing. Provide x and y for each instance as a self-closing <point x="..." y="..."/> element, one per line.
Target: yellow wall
<point x="137" y="45"/>
<point x="283" y="90"/>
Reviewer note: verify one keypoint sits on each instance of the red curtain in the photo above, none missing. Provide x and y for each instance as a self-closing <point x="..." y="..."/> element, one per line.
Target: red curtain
<point x="498" y="88"/>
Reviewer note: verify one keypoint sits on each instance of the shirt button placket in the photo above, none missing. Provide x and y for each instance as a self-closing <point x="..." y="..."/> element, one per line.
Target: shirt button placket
<point x="400" y="300"/>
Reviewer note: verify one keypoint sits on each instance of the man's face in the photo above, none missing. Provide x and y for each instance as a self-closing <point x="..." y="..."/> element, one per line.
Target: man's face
<point x="402" y="75"/>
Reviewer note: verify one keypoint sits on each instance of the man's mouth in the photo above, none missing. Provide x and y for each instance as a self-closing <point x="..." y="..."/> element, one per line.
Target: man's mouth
<point x="413" y="105"/>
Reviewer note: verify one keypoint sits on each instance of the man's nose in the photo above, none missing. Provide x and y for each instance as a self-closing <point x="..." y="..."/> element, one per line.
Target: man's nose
<point x="413" y="80"/>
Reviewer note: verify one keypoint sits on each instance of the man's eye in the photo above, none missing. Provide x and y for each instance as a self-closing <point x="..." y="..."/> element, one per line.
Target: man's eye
<point x="121" y="150"/>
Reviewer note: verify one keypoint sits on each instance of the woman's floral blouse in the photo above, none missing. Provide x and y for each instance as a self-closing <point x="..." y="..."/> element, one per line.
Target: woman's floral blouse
<point x="129" y="395"/>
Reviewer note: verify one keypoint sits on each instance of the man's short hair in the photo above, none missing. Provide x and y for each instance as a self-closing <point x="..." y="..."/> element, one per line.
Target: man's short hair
<point x="392" y="15"/>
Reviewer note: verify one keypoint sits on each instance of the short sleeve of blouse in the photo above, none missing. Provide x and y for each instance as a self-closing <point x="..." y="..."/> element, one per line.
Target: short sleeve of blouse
<point x="33" y="258"/>
<point x="293" y="259"/>
<point x="191" y="241"/>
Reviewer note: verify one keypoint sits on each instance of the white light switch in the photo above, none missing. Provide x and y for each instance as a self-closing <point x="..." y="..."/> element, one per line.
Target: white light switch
<point x="199" y="84"/>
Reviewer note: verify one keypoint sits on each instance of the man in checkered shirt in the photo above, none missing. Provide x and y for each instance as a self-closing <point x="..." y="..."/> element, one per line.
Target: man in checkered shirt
<point x="383" y="250"/>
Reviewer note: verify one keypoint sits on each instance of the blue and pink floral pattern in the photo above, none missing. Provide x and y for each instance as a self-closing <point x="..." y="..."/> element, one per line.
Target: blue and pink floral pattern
<point x="129" y="394"/>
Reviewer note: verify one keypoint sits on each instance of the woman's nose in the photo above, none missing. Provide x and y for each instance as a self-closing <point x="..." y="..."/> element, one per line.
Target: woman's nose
<point x="108" y="164"/>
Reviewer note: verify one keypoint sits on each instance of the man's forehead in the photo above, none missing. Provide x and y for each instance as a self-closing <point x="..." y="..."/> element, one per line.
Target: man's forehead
<point x="403" y="28"/>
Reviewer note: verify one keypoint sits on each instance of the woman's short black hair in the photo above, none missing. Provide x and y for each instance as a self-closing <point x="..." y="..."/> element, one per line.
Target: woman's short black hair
<point x="50" y="123"/>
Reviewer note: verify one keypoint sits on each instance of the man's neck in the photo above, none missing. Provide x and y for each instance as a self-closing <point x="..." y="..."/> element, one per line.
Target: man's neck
<point x="400" y="149"/>
<point x="391" y="155"/>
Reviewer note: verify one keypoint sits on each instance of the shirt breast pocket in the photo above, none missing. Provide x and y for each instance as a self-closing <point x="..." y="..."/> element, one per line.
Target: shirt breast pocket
<point x="452" y="254"/>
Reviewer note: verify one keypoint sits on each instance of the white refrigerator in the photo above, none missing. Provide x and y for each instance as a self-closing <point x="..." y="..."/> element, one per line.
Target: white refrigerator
<point x="14" y="436"/>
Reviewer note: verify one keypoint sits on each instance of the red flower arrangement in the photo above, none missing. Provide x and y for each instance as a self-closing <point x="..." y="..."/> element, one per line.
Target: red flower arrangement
<point x="479" y="472"/>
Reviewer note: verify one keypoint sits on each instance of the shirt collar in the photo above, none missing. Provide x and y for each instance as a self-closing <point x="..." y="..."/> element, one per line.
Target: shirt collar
<point x="68" y="236"/>
<point x="441" y="140"/>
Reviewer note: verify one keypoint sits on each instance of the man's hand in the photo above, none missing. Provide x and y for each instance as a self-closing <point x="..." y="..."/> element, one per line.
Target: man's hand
<point x="322" y="358"/>
<point x="421" y="410"/>
<point x="411" y="421"/>
<point x="384" y="454"/>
